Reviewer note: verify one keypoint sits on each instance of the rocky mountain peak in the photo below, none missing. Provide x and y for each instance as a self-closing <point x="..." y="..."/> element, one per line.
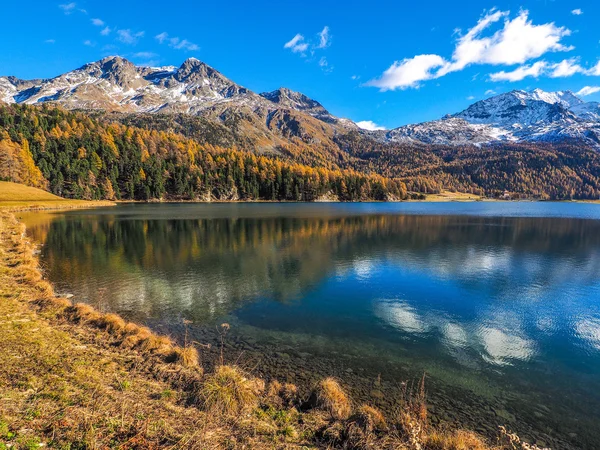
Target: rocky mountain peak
<point x="296" y="100"/>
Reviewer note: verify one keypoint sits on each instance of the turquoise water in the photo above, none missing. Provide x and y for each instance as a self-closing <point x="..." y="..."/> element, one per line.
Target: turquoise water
<point x="497" y="303"/>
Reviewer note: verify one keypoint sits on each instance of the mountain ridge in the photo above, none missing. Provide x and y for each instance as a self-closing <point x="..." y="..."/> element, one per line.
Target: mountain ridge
<point x="273" y="121"/>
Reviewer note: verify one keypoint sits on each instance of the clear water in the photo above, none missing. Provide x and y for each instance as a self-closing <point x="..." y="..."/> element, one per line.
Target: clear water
<point x="498" y="303"/>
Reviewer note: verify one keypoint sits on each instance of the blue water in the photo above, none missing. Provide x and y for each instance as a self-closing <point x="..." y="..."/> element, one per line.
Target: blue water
<point x="498" y="303"/>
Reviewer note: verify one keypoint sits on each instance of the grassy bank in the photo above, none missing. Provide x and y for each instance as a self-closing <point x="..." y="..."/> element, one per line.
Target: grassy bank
<point x="72" y="377"/>
<point x="16" y="197"/>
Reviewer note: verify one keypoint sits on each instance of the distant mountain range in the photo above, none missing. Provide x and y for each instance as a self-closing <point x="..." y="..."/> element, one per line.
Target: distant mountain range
<point x="284" y="117"/>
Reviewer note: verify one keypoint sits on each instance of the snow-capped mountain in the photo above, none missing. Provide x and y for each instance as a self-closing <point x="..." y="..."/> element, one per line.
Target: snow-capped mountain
<point x="282" y="120"/>
<point x="271" y="119"/>
<point x="115" y="84"/>
<point x="513" y="116"/>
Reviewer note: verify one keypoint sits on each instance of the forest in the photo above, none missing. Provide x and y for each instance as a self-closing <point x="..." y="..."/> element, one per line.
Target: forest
<point x="77" y="156"/>
<point x="143" y="157"/>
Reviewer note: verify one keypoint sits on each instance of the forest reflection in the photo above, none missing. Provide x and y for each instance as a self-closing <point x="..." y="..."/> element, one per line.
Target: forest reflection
<point x="205" y="268"/>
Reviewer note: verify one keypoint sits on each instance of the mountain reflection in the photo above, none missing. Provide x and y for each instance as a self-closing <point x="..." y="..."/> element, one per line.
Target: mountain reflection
<point x="205" y="268"/>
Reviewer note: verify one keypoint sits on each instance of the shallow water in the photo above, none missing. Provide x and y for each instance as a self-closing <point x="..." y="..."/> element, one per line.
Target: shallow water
<point x="498" y="303"/>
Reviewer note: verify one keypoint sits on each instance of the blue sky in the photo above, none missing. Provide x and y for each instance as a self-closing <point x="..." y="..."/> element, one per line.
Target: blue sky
<point x="388" y="62"/>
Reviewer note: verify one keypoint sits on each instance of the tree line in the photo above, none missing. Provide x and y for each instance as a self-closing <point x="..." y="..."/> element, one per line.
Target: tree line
<point x="75" y="155"/>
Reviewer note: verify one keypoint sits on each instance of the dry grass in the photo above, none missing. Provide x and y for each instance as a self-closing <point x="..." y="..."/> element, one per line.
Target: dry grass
<point x="187" y="356"/>
<point x="285" y="394"/>
<point x="454" y="440"/>
<point x="369" y="419"/>
<point x="329" y="396"/>
<point x="229" y="391"/>
<point x="17" y="197"/>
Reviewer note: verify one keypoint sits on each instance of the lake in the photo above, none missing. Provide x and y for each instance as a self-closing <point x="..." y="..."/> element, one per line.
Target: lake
<point x="498" y="304"/>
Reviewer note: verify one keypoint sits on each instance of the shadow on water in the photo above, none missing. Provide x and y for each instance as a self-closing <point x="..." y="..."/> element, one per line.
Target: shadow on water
<point x="500" y="311"/>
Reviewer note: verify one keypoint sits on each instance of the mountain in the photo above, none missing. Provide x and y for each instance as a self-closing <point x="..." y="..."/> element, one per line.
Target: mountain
<point x="286" y="122"/>
<point x="115" y="84"/>
<point x="283" y="122"/>
<point x="516" y="116"/>
<point x="529" y="144"/>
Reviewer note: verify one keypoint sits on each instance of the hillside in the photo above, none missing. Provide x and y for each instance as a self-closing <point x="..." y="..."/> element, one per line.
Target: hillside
<point x="77" y="156"/>
<point x="14" y="192"/>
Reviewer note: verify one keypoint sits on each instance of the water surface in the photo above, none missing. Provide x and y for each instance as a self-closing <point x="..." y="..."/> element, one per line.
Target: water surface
<point x="498" y="303"/>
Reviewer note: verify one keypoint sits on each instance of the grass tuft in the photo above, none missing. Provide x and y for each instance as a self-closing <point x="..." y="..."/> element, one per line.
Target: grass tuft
<point x="369" y="419"/>
<point x="329" y="396"/>
<point x="229" y="391"/>
<point x="112" y="323"/>
<point x="186" y="356"/>
<point x="456" y="440"/>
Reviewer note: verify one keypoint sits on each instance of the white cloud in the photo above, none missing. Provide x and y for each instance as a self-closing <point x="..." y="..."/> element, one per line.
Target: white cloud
<point x="566" y="68"/>
<point x="175" y="42"/>
<point x="369" y="125"/>
<point x="516" y="42"/>
<point x="162" y="37"/>
<point x="98" y="22"/>
<point x="127" y="37"/>
<point x="562" y="69"/>
<point x="355" y="77"/>
<point x="89" y="43"/>
<point x="68" y="8"/>
<point x="50" y="41"/>
<point x="588" y="90"/>
<point x="324" y="38"/>
<point x="105" y="31"/>
<point x="534" y="70"/>
<point x="471" y="97"/>
<point x="297" y="44"/>
<point x="408" y="73"/>
<point x="594" y="70"/>
<point x="183" y="44"/>
<point x="577" y="12"/>
<point x="490" y="92"/>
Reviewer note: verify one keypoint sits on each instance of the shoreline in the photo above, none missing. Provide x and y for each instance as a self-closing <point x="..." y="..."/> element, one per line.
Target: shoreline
<point x="100" y="330"/>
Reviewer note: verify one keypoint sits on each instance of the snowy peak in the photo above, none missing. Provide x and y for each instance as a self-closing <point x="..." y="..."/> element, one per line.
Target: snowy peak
<point x="518" y="109"/>
<point x="565" y="98"/>
<point x="513" y="116"/>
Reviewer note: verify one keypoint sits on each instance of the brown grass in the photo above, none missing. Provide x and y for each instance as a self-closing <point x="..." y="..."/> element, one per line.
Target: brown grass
<point x="229" y="391"/>
<point x="187" y="356"/>
<point x="369" y="419"/>
<point x="454" y="440"/>
<point x="329" y="396"/>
